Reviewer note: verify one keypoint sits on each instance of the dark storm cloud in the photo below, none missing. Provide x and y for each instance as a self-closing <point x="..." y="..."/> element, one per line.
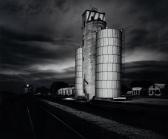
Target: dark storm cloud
<point x="11" y="34"/>
<point x="17" y="53"/>
<point x="62" y="5"/>
<point x="152" y="26"/>
<point x="155" y="71"/>
<point x="144" y="39"/>
<point x="138" y="37"/>
<point x="23" y="6"/>
<point x="156" y="11"/>
<point x="142" y="65"/>
<point x="38" y="37"/>
<point x="34" y="7"/>
<point x="23" y="49"/>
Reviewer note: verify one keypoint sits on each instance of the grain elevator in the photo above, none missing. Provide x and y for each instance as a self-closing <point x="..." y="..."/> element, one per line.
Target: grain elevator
<point x="100" y="58"/>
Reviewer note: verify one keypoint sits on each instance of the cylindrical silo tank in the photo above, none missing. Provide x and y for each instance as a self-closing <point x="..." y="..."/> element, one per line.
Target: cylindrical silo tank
<point x="78" y="74"/>
<point x="108" y="63"/>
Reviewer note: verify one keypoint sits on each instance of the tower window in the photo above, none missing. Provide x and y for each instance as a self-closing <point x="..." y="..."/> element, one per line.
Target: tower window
<point x="92" y="18"/>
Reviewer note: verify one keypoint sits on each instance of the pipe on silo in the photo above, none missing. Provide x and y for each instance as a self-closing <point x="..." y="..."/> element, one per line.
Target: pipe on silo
<point x="108" y="63"/>
<point x="78" y="74"/>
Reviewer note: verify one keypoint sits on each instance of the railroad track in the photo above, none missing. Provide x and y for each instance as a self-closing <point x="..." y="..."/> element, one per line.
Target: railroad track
<point x="76" y="134"/>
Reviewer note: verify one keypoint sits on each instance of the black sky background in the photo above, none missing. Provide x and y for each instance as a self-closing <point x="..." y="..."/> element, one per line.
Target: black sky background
<point x="38" y="38"/>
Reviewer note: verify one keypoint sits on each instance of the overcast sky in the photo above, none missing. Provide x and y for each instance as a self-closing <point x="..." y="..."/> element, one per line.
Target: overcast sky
<point x="38" y="38"/>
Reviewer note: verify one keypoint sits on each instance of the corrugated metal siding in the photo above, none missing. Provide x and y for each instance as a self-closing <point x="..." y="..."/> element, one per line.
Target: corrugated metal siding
<point x="78" y="73"/>
<point x="108" y="63"/>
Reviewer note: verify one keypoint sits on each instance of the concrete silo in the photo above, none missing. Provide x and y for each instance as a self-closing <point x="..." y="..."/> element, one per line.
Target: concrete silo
<point x="78" y="73"/>
<point x="92" y="22"/>
<point x="108" y="63"/>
